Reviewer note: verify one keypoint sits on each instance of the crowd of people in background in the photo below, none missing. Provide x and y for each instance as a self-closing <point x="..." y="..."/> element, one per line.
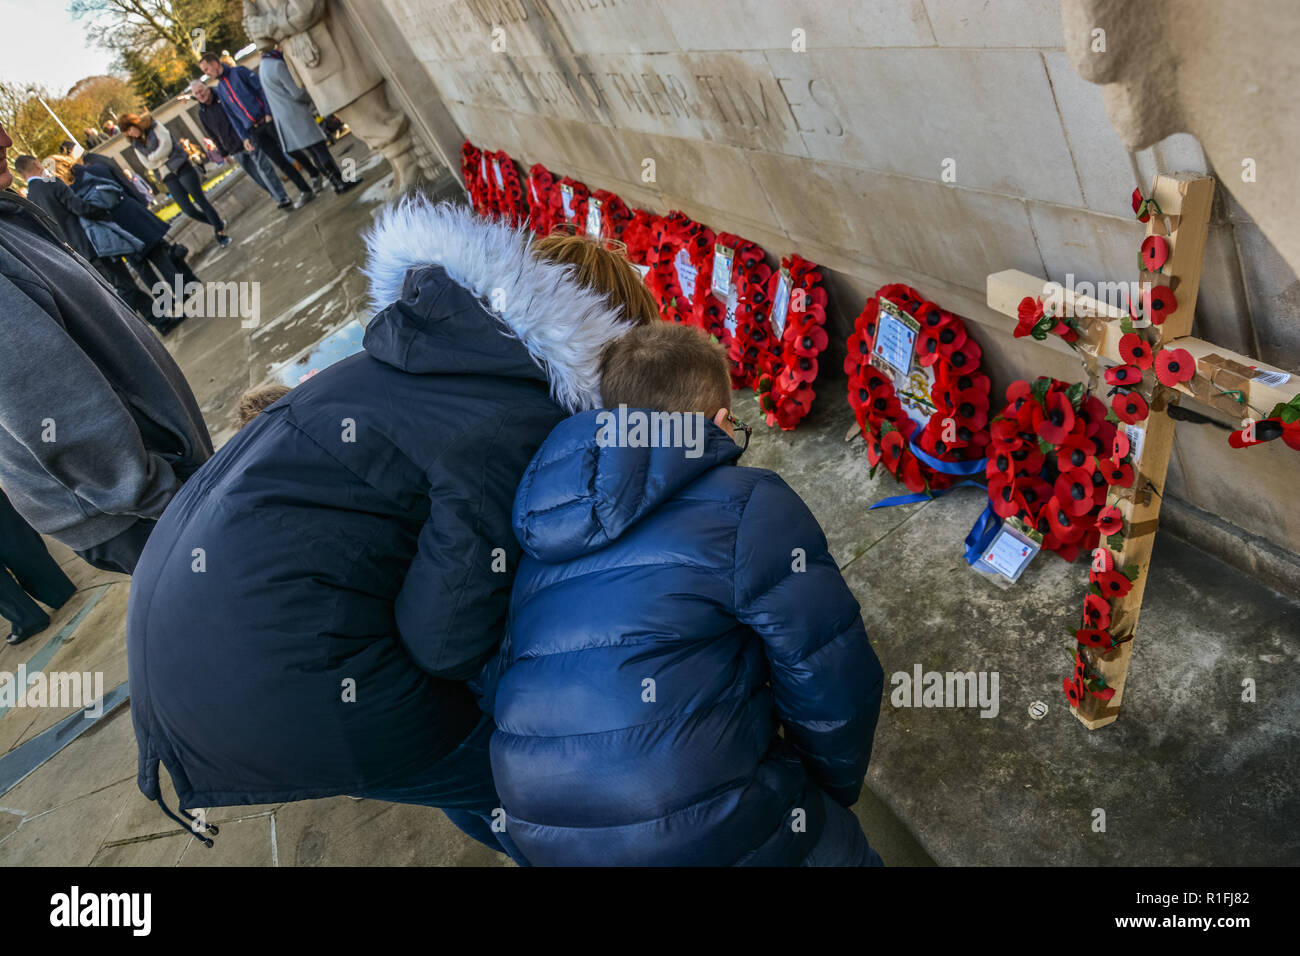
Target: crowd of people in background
<point x="78" y="255"/>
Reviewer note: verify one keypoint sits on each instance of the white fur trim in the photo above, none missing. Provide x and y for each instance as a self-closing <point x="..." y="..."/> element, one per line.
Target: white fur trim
<point x="563" y="325"/>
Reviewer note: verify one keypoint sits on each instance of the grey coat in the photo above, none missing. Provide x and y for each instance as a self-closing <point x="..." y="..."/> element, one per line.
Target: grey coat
<point x="98" y="427"/>
<point x="295" y="115"/>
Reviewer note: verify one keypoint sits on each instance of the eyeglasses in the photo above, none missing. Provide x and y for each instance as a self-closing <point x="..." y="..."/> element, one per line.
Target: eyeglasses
<point x="740" y="426"/>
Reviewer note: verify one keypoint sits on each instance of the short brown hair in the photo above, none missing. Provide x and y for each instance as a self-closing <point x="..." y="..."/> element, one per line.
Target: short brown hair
<point x="604" y="270"/>
<point x="668" y="368"/>
<point x="254" y="400"/>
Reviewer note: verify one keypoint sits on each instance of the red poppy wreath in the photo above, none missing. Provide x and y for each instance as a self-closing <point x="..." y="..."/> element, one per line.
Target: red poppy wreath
<point x="540" y="184"/>
<point x="1050" y="463"/>
<point x="790" y="338"/>
<point x="568" y="203"/>
<point x="737" y="295"/>
<point x="505" y="194"/>
<point x="681" y="268"/>
<point x="473" y="169"/>
<point x="638" y="236"/>
<point x="943" y="404"/>
<point x="607" y="215"/>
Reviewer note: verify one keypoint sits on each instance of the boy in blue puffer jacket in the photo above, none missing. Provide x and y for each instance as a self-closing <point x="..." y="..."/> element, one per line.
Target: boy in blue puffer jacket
<point x="686" y="679"/>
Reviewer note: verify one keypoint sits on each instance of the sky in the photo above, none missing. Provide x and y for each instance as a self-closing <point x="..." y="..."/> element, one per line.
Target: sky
<point x="41" y="43"/>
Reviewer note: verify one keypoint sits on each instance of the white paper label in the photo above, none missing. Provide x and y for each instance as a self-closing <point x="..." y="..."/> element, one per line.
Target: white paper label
<point x="593" y="218"/>
<point x="566" y="199"/>
<point x="686" y="273"/>
<point x="723" y="256"/>
<point x="895" y="340"/>
<point x="496" y="170"/>
<point x="729" y="319"/>
<point x="482" y="166"/>
<point x="1008" y="554"/>
<point x="780" y="304"/>
<point x="644" y="270"/>
<point x="1271" y="379"/>
<point x="1136" y="435"/>
<point x="532" y="188"/>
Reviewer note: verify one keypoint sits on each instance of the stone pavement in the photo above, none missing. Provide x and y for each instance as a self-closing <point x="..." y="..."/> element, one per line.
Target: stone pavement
<point x="1189" y="774"/>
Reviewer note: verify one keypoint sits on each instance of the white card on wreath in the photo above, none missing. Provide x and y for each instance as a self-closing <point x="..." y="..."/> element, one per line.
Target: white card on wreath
<point x="593" y="218"/>
<point x="496" y="170"/>
<point x="566" y="200"/>
<point x="729" y="319"/>
<point x="723" y="257"/>
<point x="894" y="353"/>
<point x="686" y="273"/>
<point x="780" y="304"/>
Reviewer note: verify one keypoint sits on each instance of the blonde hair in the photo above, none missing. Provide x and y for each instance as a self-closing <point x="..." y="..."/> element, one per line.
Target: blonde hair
<point x="666" y="367"/>
<point x="604" y="270"/>
<point x="253" y="401"/>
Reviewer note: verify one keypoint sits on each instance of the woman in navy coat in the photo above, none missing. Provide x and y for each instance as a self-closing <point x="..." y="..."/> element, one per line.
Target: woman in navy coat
<point x="308" y="611"/>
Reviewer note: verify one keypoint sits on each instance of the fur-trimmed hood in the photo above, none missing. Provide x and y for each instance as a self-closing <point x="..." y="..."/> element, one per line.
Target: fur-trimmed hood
<point x="562" y="325"/>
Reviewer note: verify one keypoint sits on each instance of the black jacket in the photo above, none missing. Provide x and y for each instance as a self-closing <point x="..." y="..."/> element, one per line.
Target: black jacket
<point x="357" y="533"/>
<point x="131" y="214"/>
<point x="62" y="205"/>
<point x="216" y="121"/>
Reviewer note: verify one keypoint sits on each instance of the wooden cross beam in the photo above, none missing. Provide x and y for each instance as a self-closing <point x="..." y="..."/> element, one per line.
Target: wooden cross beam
<point x="1224" y="380"/>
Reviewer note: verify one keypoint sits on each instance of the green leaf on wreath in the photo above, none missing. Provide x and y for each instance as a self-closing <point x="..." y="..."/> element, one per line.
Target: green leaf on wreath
<point x="1130" y="571"/>
<point x="1038" y="388"/>
<point x="1075" y="394"/>
<point x="1115" y="542"/>
<point x="1289" y="414"/>
<point x="1045" y="446"/>
<point x="1126" y="325"/>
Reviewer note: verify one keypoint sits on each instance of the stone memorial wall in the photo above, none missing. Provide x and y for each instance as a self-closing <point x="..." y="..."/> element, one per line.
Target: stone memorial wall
<point x="931" y="142"/>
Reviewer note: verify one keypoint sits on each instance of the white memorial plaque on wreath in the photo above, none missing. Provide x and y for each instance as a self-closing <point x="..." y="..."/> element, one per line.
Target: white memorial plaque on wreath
<point x="593" y="218"/>
<point x="686" y="273"/>
<point x="780" y="304"/>
<point x="496" y="171"/>
<point x="729" y="319"/>
<point x="566" y="200"/>
<point x="723" y="257"/>
<point x="894" y="353"/>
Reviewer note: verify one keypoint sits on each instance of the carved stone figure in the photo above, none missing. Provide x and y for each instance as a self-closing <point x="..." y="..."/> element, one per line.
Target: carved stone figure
<point x="338" y="76"/>
<point x="1225" y="72"/>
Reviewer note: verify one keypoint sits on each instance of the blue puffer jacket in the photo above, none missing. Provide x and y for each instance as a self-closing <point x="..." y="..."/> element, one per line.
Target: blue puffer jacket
<point x="669" y="615"/>
<point x="306" y="613"/>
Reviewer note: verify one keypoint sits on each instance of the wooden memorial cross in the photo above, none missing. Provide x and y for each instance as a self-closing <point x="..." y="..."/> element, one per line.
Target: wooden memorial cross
<point x="1224" y="380"/>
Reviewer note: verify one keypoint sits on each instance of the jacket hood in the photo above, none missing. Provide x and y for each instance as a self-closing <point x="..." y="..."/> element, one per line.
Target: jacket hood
<point x="506" y="311"/>
<point x="597" y="475"/>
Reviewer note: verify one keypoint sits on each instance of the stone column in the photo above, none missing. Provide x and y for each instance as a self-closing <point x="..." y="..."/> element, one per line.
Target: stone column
<point x="337" y="75"/>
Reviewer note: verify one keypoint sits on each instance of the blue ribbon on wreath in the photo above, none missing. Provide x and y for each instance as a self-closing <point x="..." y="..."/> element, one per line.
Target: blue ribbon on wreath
<point x="986" y="525"/>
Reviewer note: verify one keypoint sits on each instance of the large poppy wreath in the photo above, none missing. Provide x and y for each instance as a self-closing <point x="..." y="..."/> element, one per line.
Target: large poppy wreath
<point x="748" y="281"/>
<point x="473" y="170"/>
<point x="540" y="184"/>
<point x="682" y="252"/>
<point x="1048" y="462"/>
<point x="576" y="194"/>
<point x="789" y="350"/>
<point x="505" y="195"/>
<point x="639" y="236"/>
<point x="613" y="212"/>
<point x="947" y="396"/>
